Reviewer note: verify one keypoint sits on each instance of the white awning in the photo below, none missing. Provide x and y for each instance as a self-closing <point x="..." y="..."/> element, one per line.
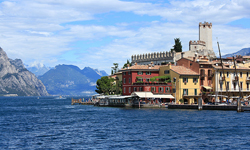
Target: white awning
<point x="150" y="95"/>
<point x="101" y="97"/>
<point x="119" y="97"/>
<point x="163" y="96"/>
<point x="143" y="94"/>
<point x="207" y="87"/>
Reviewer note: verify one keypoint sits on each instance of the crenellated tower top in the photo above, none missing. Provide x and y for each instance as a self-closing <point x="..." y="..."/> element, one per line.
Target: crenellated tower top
<point x="205" y="24"/>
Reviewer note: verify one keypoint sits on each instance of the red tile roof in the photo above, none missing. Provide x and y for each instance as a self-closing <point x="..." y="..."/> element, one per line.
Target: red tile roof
<point x="183" y="70"/>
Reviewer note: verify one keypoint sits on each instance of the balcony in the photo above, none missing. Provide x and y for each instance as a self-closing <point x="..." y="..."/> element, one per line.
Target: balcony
<point x="222" y="79"/>
<point x="202" y="76"/>
<point x="236" y="78"/>
<point x="210" y="75"/>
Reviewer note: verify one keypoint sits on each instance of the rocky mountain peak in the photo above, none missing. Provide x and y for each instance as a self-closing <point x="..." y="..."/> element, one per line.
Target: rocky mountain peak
<point x="15" y="79"/>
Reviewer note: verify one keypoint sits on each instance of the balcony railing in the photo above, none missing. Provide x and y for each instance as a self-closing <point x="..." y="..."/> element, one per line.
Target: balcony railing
<point x="234" y="90"/>
<point x="236" y="78"/>
<point x="222" y="79"/>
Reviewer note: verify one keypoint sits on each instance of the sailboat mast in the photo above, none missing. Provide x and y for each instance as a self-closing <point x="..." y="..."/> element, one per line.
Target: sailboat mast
<point x="237" y="78"/>
<point x="223" y="80"/>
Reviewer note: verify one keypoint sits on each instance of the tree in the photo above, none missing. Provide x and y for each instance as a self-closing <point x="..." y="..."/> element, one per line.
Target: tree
<point x="126" y="64"/>
<point x="105" y="85"/>
<point x="115" y="68"/>
<point x="177" y="46"/>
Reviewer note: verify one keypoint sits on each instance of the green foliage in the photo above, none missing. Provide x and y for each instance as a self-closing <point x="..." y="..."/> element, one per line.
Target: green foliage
<point x="181" y="100"/>
<point x="114" y="68"/>
<point x="126" y="64"/>
<point x="161" y="78"/>
<point x="177" y="46"/>
<point x="105" y="86"/>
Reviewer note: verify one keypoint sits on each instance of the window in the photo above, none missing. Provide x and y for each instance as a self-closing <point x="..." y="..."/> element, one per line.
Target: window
<point x="129" y="89"/>
<point x="129" y="80"/>
<point x="129" y="73"/>
<point x="124" y="80"/>
<point x="140" y="73"/>
<point x="167" y="90"/>
<point x="227" y="85"/>
<point x="241" y="85"/>
<point x="148" y="73"/>
<point x="147" y="80"/>
<point x="140" y="88"/>
<point x="166" y="71"/>
<point x="153" y="89"/>
<point x="234" y="86"/>
<point x="124" y="90"/>
<point x="160" y="89"/>
<point x="185" y="91"/>
<point x="140" y="79"/>
<point x="220" y="74"/>
<point x="228" y="74"/>
<point x="221" y="86"/>
<point x="247" y="86"/>
<point x="195" y="80"/>
<point x="124" y="73"/>
<point x="241" y="74"/>
<point x="135" y="89"/>
<point x="185" y="80"/>
<point x="247" y="74"/>
<point x="195" y="91"/>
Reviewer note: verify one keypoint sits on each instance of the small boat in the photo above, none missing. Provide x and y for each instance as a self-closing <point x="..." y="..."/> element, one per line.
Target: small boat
<point x="60" y="97"/>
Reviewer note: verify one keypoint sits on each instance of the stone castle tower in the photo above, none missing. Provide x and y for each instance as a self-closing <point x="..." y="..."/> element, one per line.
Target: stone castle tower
<point x="205" y="34"/>
<point x="204" y="46"/>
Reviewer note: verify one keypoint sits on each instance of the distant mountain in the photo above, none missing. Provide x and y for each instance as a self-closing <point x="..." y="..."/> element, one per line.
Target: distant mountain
<point x="38" y="69"/>
<point x="16" y="80"/>
<point x="70" y="80"/>
<point x="242" y="52"/>
<point x="101" y="72"/>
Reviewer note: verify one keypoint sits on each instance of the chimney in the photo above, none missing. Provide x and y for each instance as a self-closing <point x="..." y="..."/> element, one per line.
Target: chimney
<point x="182" y="55"/>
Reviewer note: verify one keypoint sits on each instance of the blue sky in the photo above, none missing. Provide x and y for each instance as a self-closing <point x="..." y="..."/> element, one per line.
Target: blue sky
<point x="94" y="33"/>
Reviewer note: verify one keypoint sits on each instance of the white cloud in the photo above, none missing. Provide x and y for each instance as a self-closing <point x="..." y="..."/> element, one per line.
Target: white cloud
<point x="41" y="30"/>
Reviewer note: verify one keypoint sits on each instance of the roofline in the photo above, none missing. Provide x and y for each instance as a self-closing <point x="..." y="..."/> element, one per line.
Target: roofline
<point x="186" y="74"/>
<point x="140" y="70"/>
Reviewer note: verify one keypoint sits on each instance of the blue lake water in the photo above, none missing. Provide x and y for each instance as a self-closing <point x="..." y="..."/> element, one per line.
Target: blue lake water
<point x="48" y="123"/>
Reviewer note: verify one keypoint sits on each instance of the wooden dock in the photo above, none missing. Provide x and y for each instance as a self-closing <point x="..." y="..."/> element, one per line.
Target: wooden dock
<point x="81" y="102"/>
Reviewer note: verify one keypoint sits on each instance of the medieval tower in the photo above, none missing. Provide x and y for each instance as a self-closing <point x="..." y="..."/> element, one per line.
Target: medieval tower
<point x="205" y="34"/>
<point x="204" y="46"/>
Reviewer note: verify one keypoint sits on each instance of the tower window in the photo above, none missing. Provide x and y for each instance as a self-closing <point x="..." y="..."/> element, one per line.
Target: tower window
<point x="204" y="26"/>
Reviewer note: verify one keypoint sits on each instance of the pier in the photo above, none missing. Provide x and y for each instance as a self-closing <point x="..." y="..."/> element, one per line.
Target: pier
<point x="209" y="107"/>
<point x="81" y="102"/>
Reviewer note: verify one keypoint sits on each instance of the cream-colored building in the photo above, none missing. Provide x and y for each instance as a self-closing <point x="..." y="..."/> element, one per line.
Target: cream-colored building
<point x="236" y="85"/>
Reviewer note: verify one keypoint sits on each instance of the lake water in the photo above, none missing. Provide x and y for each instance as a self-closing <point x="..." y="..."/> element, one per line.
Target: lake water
<point x="48" y="123"/>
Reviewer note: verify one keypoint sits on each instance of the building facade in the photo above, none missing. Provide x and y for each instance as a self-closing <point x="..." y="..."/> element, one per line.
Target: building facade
<point x="185" y="82"/>
<point x="137" y="79"/>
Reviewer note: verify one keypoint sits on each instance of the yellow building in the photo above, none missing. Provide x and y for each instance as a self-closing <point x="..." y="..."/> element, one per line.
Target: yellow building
<point x="186" y="83"/>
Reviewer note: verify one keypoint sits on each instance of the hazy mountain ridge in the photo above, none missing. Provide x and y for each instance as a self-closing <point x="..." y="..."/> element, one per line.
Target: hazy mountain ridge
<point x="242" y="52"/>
<point x="38" y="69"/>
<point x="15" y="79"/>
<point x="70" y="80"/>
